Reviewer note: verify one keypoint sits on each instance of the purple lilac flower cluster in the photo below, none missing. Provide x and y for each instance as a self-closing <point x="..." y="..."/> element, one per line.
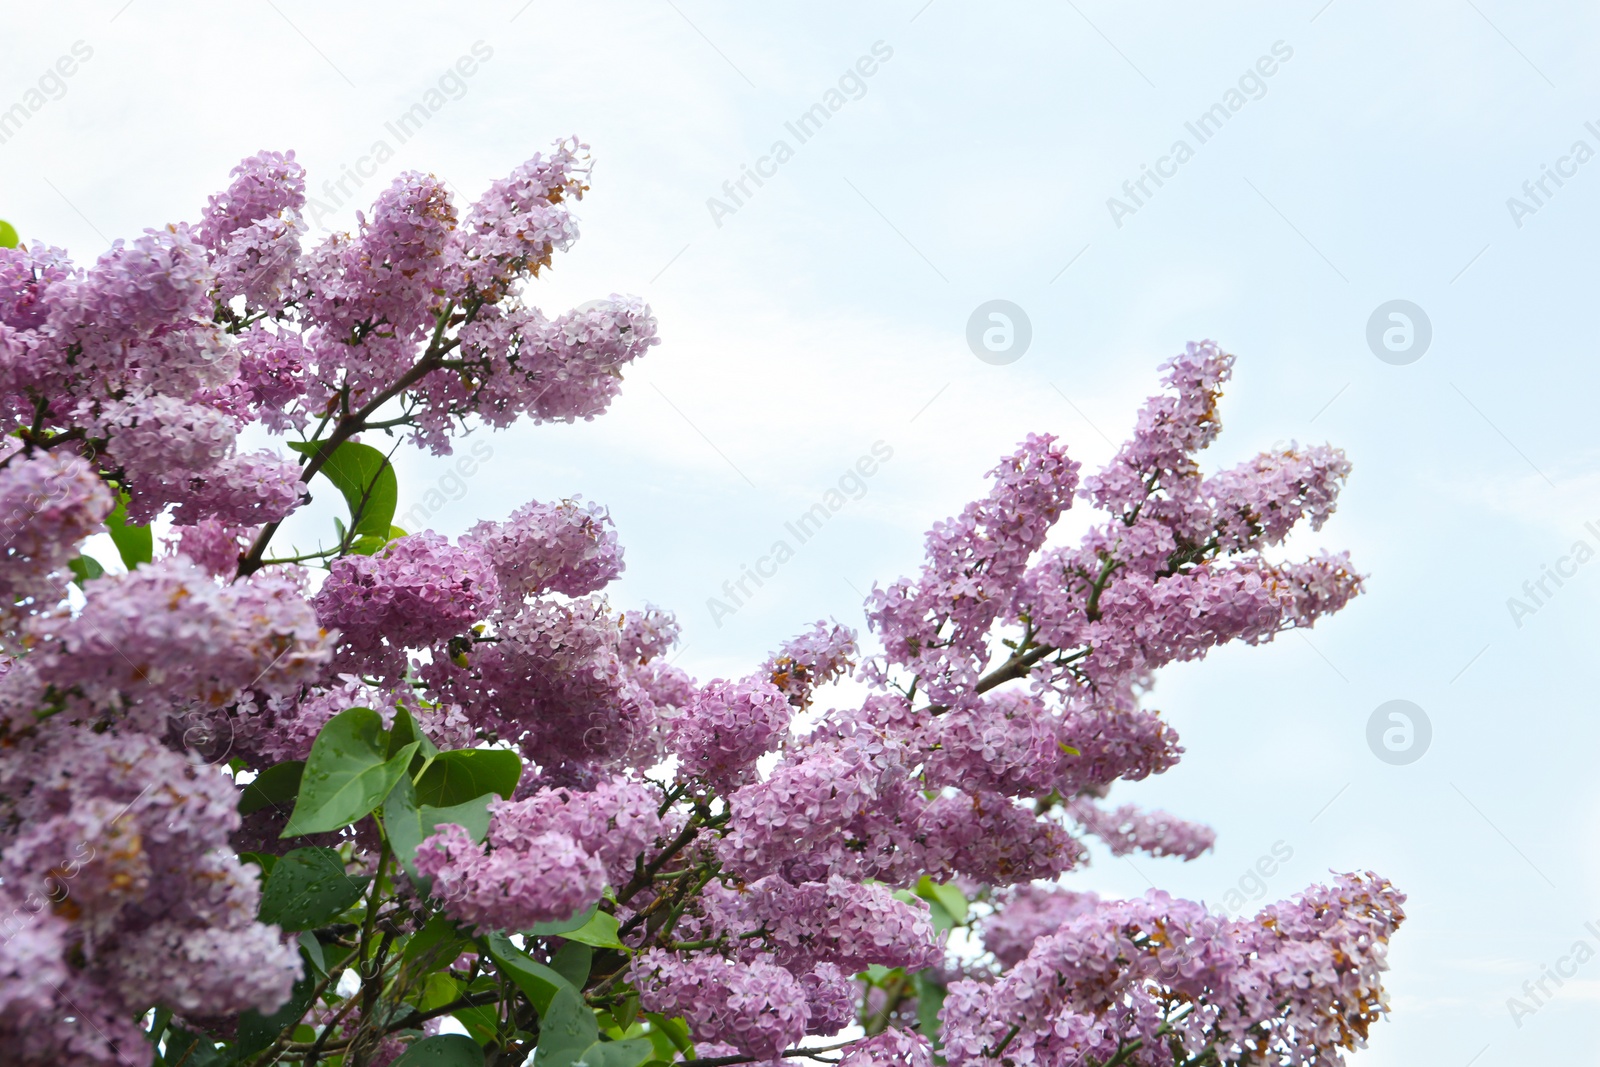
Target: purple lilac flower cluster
<point x="1297" y="983"/>
<point x="766" y="859"/>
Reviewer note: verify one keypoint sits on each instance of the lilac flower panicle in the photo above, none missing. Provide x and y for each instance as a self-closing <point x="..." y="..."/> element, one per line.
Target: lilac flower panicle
<point x="150" y="906"/>
<point x="417" y="592"/>
<point x="838" y="922"/>
<point x="167" y="635"/>
<point x="265" y="185"/>
<point x="614" y="821"/>
<point x="727" y="727"/>
<point x="757" y="1007"/>
<point x="509" y="888"/>
<point x="522" y="219"/>
<point x="553" y="682"/>
<point x="1027" y="913"/>
<point x="1132" y="829"/>
<point x="1299" y="981"/>
<point x="565" y="548"/>
<point x="812" y="660"/>
<point x="939" y="625"/>
<point x="48" y="504"/>
<point x="649" y="634"/>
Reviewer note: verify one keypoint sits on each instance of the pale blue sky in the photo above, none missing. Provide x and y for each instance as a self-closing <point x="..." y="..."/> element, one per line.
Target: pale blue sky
<point x="828" y="312"/>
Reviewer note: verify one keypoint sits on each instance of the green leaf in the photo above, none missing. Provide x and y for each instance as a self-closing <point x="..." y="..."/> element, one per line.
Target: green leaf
<point x="440" y="989"/>
<point x="257" y="1031"/>
<point x="930" y="998"/>
<point x="630" y="1053"/>
<point x="627" y="1012"/>
<point x="564" y="926"/>
<point x="366" y="478"/>
<point x="675" y="1031"/>
<point x="85" y="569"/>
<point x="457" y="777"/>
<point x="402" y="824"/>
<point x="308" y="887"/>
<point x="347" y="775"/>
<point x="313" y="952"/>
<point x="274" y="787"/>
<point x="565" y="1031"/>
<point x="135" y="544"/>
<point x="472" y="816"/>
<point x="445" y="1050"/>
<point x="337" y="955"/>
<point x="192" y="1050"/>
<point x="572" y="962"/>
<point x="600" y="931"/>
<point x="265" y="860"/>
<point x="947" y="897"/>
<point x="408" y="823"/>
<point x="438" y="941"/>
<point x="665" y="1052"/>
<point x="539" y="983"/>
<point x="368" y="545"/>
<point x="8" y="235"/>
<point x="482" y="1022"/>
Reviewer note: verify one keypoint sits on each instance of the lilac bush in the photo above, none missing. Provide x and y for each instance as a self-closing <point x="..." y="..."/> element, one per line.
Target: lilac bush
<point x="264" y="806"/>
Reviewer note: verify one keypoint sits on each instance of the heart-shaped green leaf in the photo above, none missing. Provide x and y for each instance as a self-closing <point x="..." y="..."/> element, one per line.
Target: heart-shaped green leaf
<point x="438" y="942"/>
<point x="315" y="956"/>
<point x="457" y="777"/>
<point x="257" y="1031"/>
<point x="600" y="931"/>
<point x="670" y="1036"/>
<point x="444" y="1050"/>
<point x="274" y="787"/>
<point x="346" y="775"/>
<point x="408" y="823"/>
<point x="366" y="479"/>
<point x="572" y="962"/>
<point x="307" y="888"/>
<point x="565" y="1031"/>
<point x="930" y="998"/>
<point x="629" y="1053"/>
<point x="472" y="816"/>
<point x="193" y="1050"/>
<point x="539" y="983"/>
<point x="562" y="927"/>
